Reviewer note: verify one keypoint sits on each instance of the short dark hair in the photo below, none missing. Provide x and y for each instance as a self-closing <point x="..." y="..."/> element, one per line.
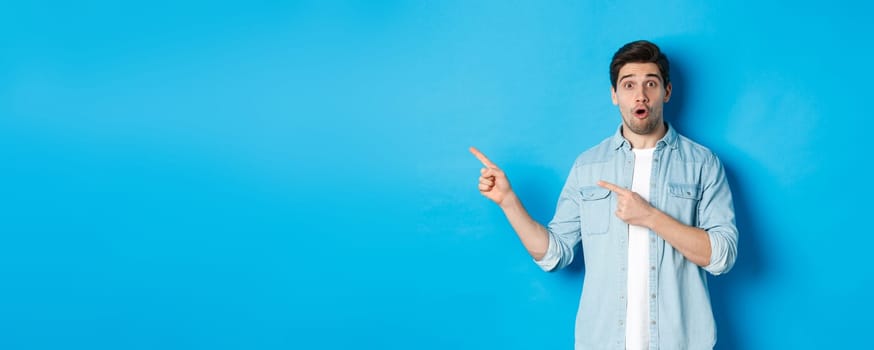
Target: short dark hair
<point x="640" y="51"/>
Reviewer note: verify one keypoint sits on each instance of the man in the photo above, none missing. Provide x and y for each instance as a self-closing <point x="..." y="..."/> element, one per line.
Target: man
<point x="653" y="212"/>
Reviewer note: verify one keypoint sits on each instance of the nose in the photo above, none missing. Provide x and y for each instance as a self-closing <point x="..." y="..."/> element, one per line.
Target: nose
<point x="640" y="96"/>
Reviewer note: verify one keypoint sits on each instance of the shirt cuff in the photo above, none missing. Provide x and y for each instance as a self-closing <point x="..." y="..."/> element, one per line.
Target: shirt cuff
<point x="718" y="256"/>
<point x="551" y="258"/>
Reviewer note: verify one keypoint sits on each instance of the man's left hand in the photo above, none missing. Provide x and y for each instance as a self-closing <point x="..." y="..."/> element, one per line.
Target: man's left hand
<point x="630" y="206"/>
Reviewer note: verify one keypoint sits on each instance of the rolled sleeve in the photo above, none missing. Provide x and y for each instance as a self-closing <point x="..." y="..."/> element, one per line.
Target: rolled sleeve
<point x="717" y="218"/>
<point x="564" y="229"/>
<point x="723" y="252"/>
<point x="551" y="258"/>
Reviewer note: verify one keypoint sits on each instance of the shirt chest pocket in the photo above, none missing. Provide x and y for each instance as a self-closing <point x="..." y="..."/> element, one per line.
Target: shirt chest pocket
<point x="594" y="210"/>
<point x="683" y="202"/>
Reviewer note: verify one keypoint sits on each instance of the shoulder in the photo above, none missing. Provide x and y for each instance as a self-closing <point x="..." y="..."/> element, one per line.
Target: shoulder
<point x="692" y="152"/>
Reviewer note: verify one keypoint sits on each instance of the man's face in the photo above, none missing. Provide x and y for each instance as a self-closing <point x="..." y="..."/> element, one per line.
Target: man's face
<point x="640" y="94"/>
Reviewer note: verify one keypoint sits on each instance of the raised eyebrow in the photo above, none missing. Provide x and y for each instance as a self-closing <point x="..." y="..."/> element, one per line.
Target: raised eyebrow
<point x="649" y="75"/>
<point x="653" y="75"/>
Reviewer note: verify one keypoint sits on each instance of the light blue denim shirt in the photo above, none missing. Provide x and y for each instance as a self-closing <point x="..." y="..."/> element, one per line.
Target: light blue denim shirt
<point x="688" y="183"/>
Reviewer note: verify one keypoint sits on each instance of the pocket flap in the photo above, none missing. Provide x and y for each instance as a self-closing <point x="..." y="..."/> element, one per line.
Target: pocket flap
<point x="690" y="191"/>
<point x="593" y="193"/>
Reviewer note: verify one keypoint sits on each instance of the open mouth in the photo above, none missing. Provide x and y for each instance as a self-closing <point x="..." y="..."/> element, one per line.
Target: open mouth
<point x="640" y="112"/>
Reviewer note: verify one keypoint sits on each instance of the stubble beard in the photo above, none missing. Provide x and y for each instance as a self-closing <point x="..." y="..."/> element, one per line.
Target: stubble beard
<point x="645" y="127"/>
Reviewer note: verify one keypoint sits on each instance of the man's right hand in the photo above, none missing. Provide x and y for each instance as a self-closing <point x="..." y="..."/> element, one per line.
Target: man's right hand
<point x="493" y="183"/>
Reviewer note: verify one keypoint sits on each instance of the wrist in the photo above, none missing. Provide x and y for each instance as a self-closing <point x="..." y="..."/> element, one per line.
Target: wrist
<point x="509" y="202"/>
<point x="653" y="219"/>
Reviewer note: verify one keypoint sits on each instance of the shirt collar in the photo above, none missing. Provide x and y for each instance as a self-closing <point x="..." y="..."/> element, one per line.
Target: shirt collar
<point x="670" y="138"/>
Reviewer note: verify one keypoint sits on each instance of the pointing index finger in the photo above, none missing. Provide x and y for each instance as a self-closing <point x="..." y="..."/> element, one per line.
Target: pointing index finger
<point x="482" y="158"/>
<point x="612" y="187"/>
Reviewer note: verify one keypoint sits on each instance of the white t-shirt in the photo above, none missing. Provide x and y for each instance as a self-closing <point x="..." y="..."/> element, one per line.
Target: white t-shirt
<point x="637" y="312"/>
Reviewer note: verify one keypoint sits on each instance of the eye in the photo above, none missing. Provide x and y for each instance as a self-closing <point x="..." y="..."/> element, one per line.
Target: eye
<point x="628" y="85"/>
<point x="651" y="84"/>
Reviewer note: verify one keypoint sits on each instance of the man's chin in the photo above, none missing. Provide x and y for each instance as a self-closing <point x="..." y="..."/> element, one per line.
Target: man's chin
<point x="641" y="127"/>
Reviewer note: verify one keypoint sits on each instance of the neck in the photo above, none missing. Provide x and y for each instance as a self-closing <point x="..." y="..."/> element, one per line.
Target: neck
<point x="645" y="141"/>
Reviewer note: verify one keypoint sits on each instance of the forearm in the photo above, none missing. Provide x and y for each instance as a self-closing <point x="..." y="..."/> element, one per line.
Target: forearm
<point x="692" y="242"/>
<point x="533" y="235"/>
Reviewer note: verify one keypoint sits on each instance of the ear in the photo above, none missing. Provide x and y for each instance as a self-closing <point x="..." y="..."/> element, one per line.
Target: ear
<point x="613" y="96"/>
<point x="668" y="92"/>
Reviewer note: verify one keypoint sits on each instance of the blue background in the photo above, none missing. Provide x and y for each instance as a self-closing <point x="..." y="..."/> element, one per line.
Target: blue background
<point x="270" y="175"/>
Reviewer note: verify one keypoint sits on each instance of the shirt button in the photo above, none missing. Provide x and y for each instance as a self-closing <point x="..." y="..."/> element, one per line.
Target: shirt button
<point x="652" y="268"/>
<point x="653" y="296"/>
<point x="653" y="322"/>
